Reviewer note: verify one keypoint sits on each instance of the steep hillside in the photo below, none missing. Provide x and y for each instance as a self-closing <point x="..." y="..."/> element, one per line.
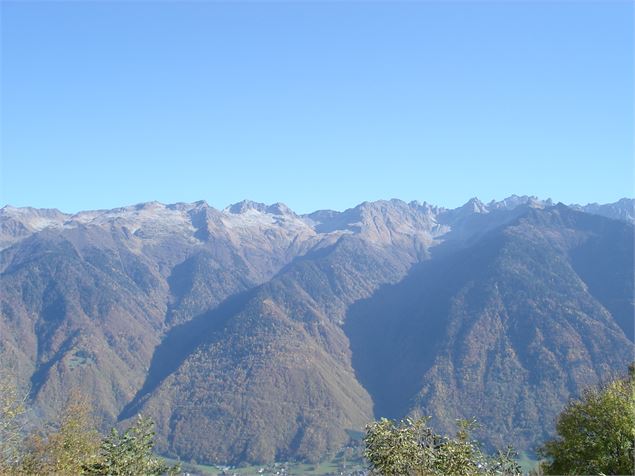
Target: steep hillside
<point x="253" y="333"/>
<point x="504" y="330"/>
<point x="86" y="298"/>
<point x="271" y="371"/>
<point x="76" y="316"/>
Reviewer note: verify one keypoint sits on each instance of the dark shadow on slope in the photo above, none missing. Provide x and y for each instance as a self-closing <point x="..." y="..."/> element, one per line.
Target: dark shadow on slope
<point x="180" y="342"/>
<point x="314" y="254"/>
<point x="40" y="376"/>
<point x="183" y="339"/>
<point x="396" y="334"/>
<point x="605" y="264"/>
<point x="199" y="284"/>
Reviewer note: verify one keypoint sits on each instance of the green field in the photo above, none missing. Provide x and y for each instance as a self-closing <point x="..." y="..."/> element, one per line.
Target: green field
<point x="337" y="466"/>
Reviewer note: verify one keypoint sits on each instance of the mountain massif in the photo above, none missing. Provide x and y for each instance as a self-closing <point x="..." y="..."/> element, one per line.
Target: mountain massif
<point x="256" y="334"/>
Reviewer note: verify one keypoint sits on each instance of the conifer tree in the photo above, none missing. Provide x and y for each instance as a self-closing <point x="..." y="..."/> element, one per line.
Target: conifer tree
<point x="130" y="453"/>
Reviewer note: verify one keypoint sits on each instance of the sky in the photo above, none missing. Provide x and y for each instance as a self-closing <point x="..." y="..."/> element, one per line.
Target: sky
<point x="315" y="104"/>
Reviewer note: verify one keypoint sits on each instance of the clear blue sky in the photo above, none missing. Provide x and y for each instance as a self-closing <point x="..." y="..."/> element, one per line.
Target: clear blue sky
<point x="318" y="105"/>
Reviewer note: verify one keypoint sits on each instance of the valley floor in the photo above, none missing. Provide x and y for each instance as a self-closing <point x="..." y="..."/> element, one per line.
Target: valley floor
<point x="339" y="466"/>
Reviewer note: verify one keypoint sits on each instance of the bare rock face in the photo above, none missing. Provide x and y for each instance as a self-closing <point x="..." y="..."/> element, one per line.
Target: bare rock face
<point x="253" y="333"/>
<point x="623" y="209"/>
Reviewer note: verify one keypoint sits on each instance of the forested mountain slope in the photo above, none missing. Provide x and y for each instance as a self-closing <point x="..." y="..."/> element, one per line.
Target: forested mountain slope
<point x="253" y="333"/>
<point x="505" y="329"/>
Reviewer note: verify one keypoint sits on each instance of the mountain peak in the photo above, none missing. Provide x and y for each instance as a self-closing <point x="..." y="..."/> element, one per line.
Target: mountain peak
<point x="246" y="205"/>
<point x="475" y="205"/>
<point x="279" y="208"/>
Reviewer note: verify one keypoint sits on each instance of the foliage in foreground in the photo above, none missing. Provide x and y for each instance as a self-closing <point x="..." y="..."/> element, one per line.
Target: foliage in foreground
<point x="12" y="409"/>
<point x="72" y="445"/>
<point x="66" y="447"/>
<point x="130" y="453"/>
<point x="411" y="447"/>
<point x="596" y="434"/>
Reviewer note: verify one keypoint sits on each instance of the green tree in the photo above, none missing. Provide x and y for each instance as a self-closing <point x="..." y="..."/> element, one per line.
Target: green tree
<point x="130" y="453"/>
<point x="596" y="433"/>
<point x="399" y="449"/>
<point x="411" y="447"/>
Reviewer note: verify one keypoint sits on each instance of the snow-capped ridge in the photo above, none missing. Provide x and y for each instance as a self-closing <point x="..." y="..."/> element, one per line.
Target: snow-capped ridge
<point x="514" y="201"/>
<point x="374" y="220"/>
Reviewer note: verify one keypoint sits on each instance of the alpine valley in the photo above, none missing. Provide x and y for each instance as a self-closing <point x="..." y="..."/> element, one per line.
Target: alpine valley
<point x="254" y="334"/>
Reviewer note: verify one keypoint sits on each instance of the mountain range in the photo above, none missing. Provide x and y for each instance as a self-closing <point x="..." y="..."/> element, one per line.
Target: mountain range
<point x="257" y="334"/>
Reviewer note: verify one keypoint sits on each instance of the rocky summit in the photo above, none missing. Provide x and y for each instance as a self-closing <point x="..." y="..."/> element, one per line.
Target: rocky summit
<point x="254" y="333"/>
